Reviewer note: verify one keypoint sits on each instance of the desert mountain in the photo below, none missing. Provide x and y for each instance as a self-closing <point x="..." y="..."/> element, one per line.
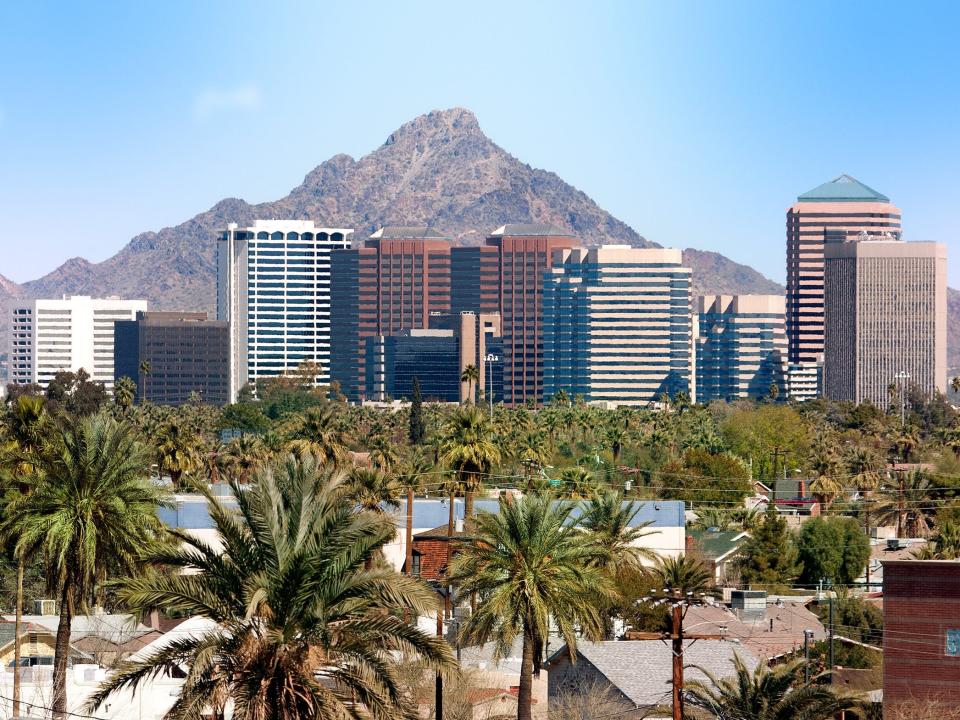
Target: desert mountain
<point x="438" y="169"/>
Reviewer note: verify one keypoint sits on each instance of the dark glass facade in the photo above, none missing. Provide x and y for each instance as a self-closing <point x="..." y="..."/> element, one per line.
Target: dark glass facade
<point x="186" y="352"/>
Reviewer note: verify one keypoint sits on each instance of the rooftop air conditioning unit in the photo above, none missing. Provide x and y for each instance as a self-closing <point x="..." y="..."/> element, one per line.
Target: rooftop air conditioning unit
<point x="45" y="607"/>
<point x="895" y="544"/>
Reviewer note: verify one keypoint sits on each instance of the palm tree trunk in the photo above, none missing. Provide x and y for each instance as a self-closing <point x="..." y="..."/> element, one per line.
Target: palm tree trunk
<point x="525" y="693"/>
<point x="18" y="624"/>
<point x="410" y="531"/>
<point x="61" y="653"/>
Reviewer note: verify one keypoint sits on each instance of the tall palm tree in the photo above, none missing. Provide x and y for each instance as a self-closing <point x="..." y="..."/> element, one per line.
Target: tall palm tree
<point x="301" y="626"/>
<point x="144" y="369"/>
<point x="864" y="468"/>
<point x="470" y="376"/>
<point x="25" y="424"/>
<point x="93" y="507"/>
<point x="528" y="565"/>
<point x="907" y="503"/>
<point x="178" y="451"/>
<point x="124" y="393"/>
<point x="607" y="519"/>
<point x="955" y="383"/>
<point x="316" y="432"/>
<point x="765" y="693"/>
<point x="373" y="490"/>
<point x="825" y="486"/>
<point x="684" y="573"/>
<point x="467" y="448"/>
<point x="383" y="452"/>
<point x="412" y="478"/>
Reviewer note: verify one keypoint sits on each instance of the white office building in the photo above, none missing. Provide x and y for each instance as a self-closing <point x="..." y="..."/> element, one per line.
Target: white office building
<point x="273" y="287"/>
<point x="68" y="334"/>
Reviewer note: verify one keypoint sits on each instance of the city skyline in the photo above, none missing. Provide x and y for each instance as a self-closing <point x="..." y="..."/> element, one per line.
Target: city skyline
<point x="689" y="119"/>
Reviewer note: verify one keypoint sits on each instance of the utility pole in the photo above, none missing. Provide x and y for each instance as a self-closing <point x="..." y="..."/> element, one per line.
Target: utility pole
<point x="831" y="637"/>
<point x="490" y="359"/>
<point x="866" y="511"/>
<point x="806" y="656"/>
<point x="902" y="377"/>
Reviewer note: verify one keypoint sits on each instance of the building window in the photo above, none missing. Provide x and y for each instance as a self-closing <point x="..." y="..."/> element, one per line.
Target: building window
<point x="953" y="642"/>
<point x="415" y="565"/>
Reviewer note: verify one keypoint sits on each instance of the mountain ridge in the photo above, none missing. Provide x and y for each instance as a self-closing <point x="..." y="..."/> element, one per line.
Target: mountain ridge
<point x="438" y="169"/>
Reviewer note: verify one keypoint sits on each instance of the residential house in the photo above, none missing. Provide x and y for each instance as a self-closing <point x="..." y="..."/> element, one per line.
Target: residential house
<point x="719" y="549"/>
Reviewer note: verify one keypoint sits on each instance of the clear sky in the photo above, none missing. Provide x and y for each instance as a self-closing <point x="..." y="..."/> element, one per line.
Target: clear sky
<point x="696" y="123"/>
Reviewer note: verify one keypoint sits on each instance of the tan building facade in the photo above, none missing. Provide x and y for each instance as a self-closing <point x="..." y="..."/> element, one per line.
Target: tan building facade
<point x="886" y="314"/>
<point x="842" y="209"/>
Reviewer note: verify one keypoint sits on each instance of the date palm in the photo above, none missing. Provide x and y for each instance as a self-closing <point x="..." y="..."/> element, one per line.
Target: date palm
<point x="25" y="424"/>
<point x="301" y="626"/>
<point x="468" y="449"/>
<point x="607" y="519"/>
<point x="764" y="693"/>
<point x="529" y="565"/>
<point x="93" y="507"/>
<point x="684" y="573"/>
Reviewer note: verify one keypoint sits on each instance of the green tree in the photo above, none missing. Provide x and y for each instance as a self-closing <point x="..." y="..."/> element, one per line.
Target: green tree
<point x="317" y="433"/>
<point x="765" y="693"/>
<point x="178" y="451"/>
<point x="242" y="456"/>
<point x="684" y="573"/>
<point x="907" y="502"/>
<point x="834" y="548"/>
<point x="417" y="430"/>
<point x="470" y="376"/>
<point x="578" y="483"/>
<point x="244" y="416"/>
<point x="124" y="393"/>
<point x="25" y="425"/>
<point x="94" y="507"/>
<point x="293" y="598"/>
<point x="468" y="449"/>
<point x="769" y="556"/>
<point x="769" y="436"/>
<point x="373" y="490"/>
<point x="529" y="566"/>
<point x="608" y="520"/>
<point x="705" y="477"/>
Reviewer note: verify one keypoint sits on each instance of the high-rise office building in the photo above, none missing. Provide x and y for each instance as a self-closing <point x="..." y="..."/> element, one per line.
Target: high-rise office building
<point x="437" y="358"/>
<point x="617" y="325"/>
<point x="475" y="279"/>
<point x="186" y="352"/>
<point x="841" y="209"/>
<point x="393" y="283"/>
<point x="741" y="347"/>
<point x="273" y="287"/>
<point x="525" y="252"/>
<point x="73" y="333"/>
<point x="886" y="318"/>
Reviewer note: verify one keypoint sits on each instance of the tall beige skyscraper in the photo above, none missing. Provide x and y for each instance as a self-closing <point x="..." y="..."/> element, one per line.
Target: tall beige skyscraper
<point x="885" y="318"/>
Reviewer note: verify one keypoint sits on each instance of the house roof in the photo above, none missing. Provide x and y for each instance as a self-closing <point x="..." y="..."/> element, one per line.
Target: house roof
<point x="641" y="669"/>
<point x="118" y="627"/>
<point x="717" y="544"/>
<point x="843" y="188"/>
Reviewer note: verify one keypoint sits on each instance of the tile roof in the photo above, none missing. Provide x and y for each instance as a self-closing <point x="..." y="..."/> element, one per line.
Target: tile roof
<point x="843" y="189"/>
<point x="531" y="230"/>
<point x="641" y="669"/>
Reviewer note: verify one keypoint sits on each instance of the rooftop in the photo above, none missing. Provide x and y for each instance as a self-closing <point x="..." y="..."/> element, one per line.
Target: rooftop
<point x="716" y="544"/>
<point x="531" y="230"/>
<point x="408" y="232"/>
<point x="843" y="189"/>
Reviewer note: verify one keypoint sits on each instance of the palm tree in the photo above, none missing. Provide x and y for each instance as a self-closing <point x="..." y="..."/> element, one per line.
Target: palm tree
<point x="607" y="518"/>
<point x="177" y="451"/>
<point x="528" y="565"/>
<point x="712" y="516"/>
<point x="25" y="425"/>
<point x="124" y="393"/>
<point x="383" y="452"/>
<point x="94" y="507"/>
<point x="765" y="693"/>
<point x="946" y="544"/>
<point x="907" y="504"/>
<point x="301" y="626"/>
<point x="684" y="573"/>
<point x="373" y="490"/>
<point x="316" y="432"/>
<point x="411" y="477"/>
<point x="825" y="466"/>
<point x="863" y="466"/>
<point x="144" y="372"/>
<point x="470" y="376"/>
<point x="578" y="484"/>
<point x="242" y="456"/>
<point x="955" y="383"/>
<point x="467" y="448"/>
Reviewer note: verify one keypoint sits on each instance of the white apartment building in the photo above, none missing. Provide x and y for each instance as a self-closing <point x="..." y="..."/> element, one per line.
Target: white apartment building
<point x="68" y="334"/>
<point x="273" y="287"/>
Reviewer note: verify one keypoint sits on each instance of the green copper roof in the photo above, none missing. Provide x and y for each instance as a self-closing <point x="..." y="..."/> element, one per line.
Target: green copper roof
<point x="843" y="189"/>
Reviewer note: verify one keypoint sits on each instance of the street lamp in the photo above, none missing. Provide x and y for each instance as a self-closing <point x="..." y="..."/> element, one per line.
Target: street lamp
<point x="901" y="377"/>
<point x="490" y="359"/>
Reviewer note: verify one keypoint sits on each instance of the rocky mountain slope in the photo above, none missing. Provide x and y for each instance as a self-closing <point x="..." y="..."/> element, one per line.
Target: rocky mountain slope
<point x="438" y="169"/>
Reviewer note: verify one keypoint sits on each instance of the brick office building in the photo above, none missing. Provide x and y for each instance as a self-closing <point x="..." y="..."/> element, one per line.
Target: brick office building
<point x="921" y="637"/>
<point x="393" y="283"/>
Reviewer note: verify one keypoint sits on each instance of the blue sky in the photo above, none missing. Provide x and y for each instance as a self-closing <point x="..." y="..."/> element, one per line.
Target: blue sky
<point x="696" y="123"/>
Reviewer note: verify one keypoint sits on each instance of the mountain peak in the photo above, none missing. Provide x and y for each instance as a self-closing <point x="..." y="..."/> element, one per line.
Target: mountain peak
<point x="437" y="124"/>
